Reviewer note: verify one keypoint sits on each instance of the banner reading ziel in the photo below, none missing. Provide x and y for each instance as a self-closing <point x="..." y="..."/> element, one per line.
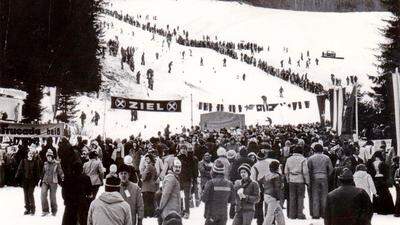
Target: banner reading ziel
<point x="31" y="130"/>
<point x="146" y="105"/>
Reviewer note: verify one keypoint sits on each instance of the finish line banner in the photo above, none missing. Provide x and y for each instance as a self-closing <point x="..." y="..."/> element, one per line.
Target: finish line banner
<point x="22" y="130"/>
<point x="146" y="105"/>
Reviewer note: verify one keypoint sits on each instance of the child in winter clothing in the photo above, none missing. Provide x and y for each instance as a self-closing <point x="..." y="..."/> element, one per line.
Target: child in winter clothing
<point x="247" y="195"/>
<point x="364" y="181"/>
<point x="272" y="184"/>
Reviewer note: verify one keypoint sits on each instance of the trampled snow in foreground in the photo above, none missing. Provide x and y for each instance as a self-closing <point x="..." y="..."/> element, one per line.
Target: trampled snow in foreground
<point x="12" y="209"/>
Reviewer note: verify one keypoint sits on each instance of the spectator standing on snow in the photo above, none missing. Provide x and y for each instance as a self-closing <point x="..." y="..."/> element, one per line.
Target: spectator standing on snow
<point x="52" y="176"/>
<point x="218" y="192"/>
<point x="83" y="118"/>
<point x="296" y="172"/>
<point x="143" y="61"/>
<point x="170" y="198"/>
<point x="272" y="183"/>
<point x="320" y="168"/>
<point x="28" y="173"/>
<point x="138" y="77"/>
<point x="77" y="195"/>
<point x="247" y="194"/>
<point x="149" y="185"/>
<point x="348" y="204"/>
<point x="131" y="193"/>
<point x="94" y="169"/>
<point x="110" y="207"/>
<point x="96" y="118"/>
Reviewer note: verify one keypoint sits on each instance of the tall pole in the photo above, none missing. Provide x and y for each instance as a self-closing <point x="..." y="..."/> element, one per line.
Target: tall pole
<point x="191" y="109"/>
<point x="396" y="94"/>
<point x="356" y="96"/>
<point x="104" y="115"/>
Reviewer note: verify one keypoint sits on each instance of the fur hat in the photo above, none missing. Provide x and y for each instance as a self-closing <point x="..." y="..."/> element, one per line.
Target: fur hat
<point x="245" y="167"/>
<point x="221" y="151"/>
<point x="218" y="167"/>
<point x="231" y="154"/>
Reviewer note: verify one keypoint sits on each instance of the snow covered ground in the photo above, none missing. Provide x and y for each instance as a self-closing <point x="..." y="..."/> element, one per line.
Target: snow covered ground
<point x="355" y="36"/>
<point x="12" y="209"/>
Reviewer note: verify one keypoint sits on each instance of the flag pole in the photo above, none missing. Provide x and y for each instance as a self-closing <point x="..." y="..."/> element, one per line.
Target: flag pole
<point x="356" y="108"/>
<point x="395" y="81"/>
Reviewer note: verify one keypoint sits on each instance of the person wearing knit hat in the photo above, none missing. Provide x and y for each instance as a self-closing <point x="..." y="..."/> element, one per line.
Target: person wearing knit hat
<point x="231" y="154"/>
<point x="218" y="167"/>
<point x="253" y="157"/>
<point x="52" y="176"/>
<point x="221" y="153"/>
<point x="218" y="192"/>
<point x="357" y="208"/>
<point x="245" y="167"/>
<point x="131" y="194"/>
<point x="247" y="194"/>
<point x="110" y="207"/>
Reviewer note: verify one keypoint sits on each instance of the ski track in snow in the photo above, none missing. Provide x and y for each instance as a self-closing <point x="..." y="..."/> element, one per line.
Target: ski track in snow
<point x="355" y="36"/>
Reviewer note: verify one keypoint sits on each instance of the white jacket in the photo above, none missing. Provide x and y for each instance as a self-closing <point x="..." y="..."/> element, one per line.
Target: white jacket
<point x="363" y="180"/>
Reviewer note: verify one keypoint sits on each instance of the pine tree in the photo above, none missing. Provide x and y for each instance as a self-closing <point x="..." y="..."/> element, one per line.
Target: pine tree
<point x="49" y="43"/>
<point x="67" y="105"/>
<point x="389" y="60"/>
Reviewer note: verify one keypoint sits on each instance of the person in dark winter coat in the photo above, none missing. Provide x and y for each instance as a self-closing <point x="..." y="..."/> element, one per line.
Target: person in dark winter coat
<point x="131" y="194"/>
<point x="68" y="156"/>
<point x="77" y="195"/>
<point x="357" y="209"/>
<point x="28" y="173"/>
<point x="149" y="186"/>
<point x="247" y="194"/>
<point x="217" y="193"/>
<point x="242" y="159"/>
<point x="383" y="201"/>
<point x="49" y="145"/>
<point x="185" y="178"/>
<point x="205" y="167"/>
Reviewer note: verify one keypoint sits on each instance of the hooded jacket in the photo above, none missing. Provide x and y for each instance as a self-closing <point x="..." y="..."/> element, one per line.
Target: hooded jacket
<point x="171" y="196"/>
<point x="109" y="209"/>
<point x="364" y="181"/>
